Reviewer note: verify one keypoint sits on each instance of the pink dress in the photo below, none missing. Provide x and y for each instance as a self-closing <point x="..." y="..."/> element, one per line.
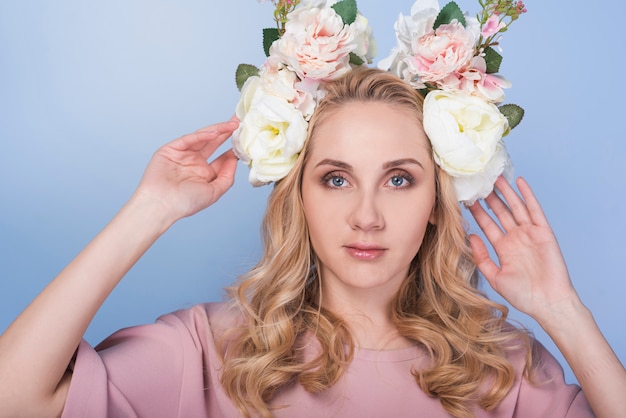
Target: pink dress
<point x="171" y="369"/>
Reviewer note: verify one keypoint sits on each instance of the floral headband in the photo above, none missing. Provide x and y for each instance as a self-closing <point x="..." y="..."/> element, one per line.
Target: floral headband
<point x="445" y="54"/>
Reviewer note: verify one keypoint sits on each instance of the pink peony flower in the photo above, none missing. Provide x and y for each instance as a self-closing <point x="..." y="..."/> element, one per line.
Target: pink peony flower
<point x="309" y="95"/>
<point x="417" y="24"/>
<point x="442" y="52"/>
<point x="316" y="44"/>
<point x="278" y="80"/>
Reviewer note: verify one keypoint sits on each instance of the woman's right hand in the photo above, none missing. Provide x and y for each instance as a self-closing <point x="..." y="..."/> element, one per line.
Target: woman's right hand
<point x="180" y="178"/>
<point x="178" y="182"/>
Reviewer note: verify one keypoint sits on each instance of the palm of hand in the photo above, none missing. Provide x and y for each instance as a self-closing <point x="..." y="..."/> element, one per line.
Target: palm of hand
<point x="531" y="275"/>
<point x="182" y="180"/>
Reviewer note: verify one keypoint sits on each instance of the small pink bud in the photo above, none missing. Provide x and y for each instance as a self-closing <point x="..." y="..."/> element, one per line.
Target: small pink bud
<point x="492" y="26"/>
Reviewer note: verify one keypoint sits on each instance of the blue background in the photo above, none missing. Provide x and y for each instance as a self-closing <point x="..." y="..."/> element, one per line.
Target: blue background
<point x="88" y="91"/>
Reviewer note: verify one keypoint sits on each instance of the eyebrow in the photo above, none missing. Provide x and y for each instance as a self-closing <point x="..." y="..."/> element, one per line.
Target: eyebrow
<point x="401" y="162"/>
<point x="336" y="163"/>
<point x="387" y="165"/>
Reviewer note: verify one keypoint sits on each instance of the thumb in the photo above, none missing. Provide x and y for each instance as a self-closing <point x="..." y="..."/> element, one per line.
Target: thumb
<point x="225" y="166"/>
<point x="483" y="261"/>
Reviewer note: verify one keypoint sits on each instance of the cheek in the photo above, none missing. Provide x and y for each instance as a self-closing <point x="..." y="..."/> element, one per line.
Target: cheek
<point x="325" y="224"/>
<point x="314" y="214"/>
<point x="409" y="223"/>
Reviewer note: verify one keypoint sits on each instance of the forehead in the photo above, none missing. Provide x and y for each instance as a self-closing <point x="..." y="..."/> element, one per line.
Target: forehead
<point x="371" y="128"/>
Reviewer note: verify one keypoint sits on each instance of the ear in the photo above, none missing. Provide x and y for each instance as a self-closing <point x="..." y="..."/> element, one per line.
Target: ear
<point x="432" y="219"/>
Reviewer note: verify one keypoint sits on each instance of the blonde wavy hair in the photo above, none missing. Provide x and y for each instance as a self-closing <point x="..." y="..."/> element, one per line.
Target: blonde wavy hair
<point x="438" y="306"/>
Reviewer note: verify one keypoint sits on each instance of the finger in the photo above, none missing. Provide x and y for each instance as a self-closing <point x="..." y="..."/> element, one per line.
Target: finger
<point x="224" y="168"/>
<point x="489" y="227"/>
<point x="517" y="205"/>
<point x="223" y="162"/>
<point x="222" y="125"/>
<point x="233" y="118"/>
<point x="206" y="140"/>
<point x="501" y="211"/>
<point x="209" y="148"/>
<point x="483" y="261"/>
<point x="535" y="211"/>
<point x="219" y="133"/>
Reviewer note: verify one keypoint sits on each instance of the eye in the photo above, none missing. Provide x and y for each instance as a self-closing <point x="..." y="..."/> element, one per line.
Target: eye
<point x="401" y="181"/>
<point x="335" y="181"/>
<point x="397" y="181"/>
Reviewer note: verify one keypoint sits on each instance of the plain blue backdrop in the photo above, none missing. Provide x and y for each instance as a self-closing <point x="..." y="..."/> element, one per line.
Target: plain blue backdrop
<point x="88" y="91"/>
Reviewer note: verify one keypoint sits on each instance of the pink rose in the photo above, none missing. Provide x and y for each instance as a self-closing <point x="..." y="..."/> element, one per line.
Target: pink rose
<point x="440" y="53"/>
<point x="475" y="81"/>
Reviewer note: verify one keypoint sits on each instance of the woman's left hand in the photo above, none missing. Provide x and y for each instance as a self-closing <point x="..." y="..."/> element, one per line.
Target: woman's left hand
<point x="532" y="275"/>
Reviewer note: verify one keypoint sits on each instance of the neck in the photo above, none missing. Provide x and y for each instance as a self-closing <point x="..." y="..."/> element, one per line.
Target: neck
<point x="368" y="316"/>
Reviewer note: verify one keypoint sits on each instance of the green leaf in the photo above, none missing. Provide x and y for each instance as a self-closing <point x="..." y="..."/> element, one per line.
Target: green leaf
<point x="424" y="92"/>
<point x="269" y="36"/>
<point x="493" y="60"/>
<point x="356" y="60"/>
<point x="347" y="10"/>
<point x="243" y="73"/>
<point x="513" y="113"/>
<point x="449" y="12"/>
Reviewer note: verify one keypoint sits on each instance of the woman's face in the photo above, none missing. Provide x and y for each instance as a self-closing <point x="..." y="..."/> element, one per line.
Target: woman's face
<point x="368" y="189"/>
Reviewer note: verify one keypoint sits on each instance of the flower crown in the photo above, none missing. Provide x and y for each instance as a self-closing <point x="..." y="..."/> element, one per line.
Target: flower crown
<point x="445" y="54"/>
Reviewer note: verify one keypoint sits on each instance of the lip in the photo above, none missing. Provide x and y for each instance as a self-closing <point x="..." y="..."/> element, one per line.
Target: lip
<point x="365" y="250"/>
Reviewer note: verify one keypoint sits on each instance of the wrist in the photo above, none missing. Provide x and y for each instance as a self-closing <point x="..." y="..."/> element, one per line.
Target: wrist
<point x="149" y="212"/>
<point x="565" y="319"/>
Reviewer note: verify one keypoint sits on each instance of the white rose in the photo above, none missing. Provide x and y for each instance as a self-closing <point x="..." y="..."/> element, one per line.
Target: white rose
<point x="479" y="185"/>
<point x="271" y="133"/>
<point x="251" y="88"/>
<point x="465" y="132"/>
<point x="364" y="39"/>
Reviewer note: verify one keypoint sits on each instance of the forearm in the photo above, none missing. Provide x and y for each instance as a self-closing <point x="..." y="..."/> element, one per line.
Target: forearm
<point x="598" y="370"/>
<point x="37" y="348"/>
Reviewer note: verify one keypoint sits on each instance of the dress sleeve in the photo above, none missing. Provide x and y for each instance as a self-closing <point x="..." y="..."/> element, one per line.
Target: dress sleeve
<point x="145" y="371"/>
<point x="547" y="394"/>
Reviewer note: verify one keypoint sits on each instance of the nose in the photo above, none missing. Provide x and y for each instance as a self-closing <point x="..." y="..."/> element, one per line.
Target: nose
<point x="365" y="213"/>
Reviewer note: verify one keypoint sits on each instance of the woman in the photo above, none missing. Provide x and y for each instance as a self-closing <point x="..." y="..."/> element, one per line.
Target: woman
<point x="365" y="297"/>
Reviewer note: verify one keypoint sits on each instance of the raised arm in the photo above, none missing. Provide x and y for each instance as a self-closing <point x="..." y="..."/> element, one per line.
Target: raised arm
<point x="36" y="349"/>
<point x="533" y="277"/>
